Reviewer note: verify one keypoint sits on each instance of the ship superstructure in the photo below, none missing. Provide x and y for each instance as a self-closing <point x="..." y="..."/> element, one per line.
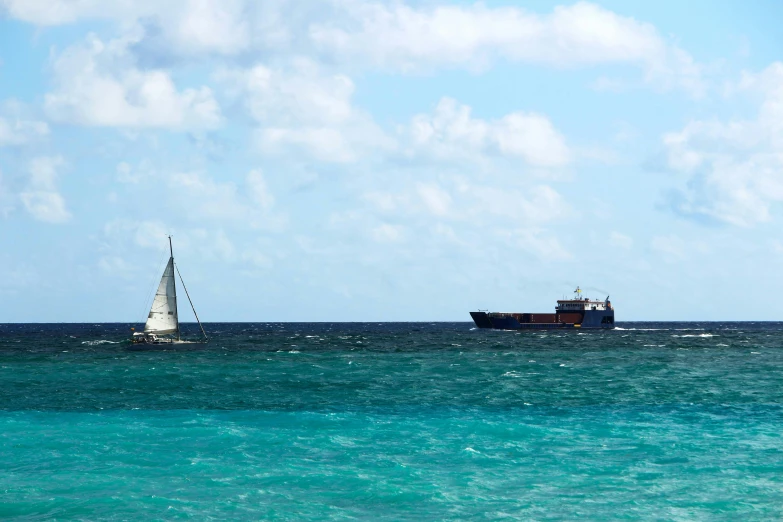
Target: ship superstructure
<point x="578" y="312"/>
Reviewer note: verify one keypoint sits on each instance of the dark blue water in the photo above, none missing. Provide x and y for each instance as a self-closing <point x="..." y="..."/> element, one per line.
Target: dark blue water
<point x="669" y="421"/>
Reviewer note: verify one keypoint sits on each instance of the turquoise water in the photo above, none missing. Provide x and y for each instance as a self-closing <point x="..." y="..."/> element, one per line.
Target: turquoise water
<point x="394" y="422"/>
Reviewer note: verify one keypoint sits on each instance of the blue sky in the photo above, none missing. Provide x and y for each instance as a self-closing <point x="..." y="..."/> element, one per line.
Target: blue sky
<point x="390" y="161"/>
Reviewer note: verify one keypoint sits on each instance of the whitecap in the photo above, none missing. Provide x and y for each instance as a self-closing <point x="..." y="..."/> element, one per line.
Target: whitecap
<point x="100" y="341"/>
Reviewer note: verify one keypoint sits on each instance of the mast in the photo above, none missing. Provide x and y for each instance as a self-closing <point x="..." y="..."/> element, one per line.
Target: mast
<point x="174" y="282"/>
<point x="191" y="305"/>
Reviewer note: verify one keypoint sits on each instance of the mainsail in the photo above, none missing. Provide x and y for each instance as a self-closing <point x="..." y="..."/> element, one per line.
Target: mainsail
<point x="163" y="314"/>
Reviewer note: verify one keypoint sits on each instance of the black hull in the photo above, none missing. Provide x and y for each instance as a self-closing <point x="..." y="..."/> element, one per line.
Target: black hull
<point x="592" y="319"/>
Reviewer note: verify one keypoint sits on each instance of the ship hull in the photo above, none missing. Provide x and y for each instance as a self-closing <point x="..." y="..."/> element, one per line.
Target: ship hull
<point x="589" y="319"/>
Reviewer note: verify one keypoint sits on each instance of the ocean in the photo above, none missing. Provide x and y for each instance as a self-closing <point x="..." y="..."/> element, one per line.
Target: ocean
<point x="393" y="421"/>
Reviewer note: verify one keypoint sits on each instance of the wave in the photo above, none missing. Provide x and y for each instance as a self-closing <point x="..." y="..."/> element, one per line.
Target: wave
<point x="99" y="341"/>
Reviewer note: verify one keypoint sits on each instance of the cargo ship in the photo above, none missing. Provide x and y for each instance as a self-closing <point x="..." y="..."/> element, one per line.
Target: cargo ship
<point x="578" y="312"/>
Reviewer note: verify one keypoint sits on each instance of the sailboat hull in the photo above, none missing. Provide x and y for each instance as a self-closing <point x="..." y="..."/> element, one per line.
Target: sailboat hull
<point x="167" y="341"/>
<point x="149" y="338"/>
<point x="166" y="345"/>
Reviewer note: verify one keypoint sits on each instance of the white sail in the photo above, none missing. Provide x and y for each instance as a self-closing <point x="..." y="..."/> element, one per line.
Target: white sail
<point x="163" y="314"/>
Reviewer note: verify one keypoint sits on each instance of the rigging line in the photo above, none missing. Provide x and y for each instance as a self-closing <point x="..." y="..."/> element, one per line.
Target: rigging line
<point x="191" y="302"/>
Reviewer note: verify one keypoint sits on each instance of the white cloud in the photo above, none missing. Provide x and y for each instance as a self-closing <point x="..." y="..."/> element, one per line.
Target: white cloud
<point x="221" y="247"/>
<point x="15" y="131"/>
<point x="204" y="214"/>
<point x="305" y="108"/>
<point x="735" y="168"/>
<point x="150" y="234"/>
<point x="324" y="144"/>
<point x="207" y="200"/>
<point x="188" y="26"/>
<point x="18" y="126"/>
<point x="258" y="190"/>
<point x="538" y="242"/>
<point x="382" y="201"/>
<point x="386" y="233"/>
<point x="620" y="240"/>
<point x="467" y="212"/>
<point x="775" y="246"/>
<point x="671" y="247"/>
<point x="145" y="233"/>
<point x="6" y="198"/>
<point x="99" y="84"/>
<point x="117" y="266"/>
<point x="397" y="36"/>
<point x="471" y="201"/>
<point x="127" y="173"/>
<point x="45" y="205"/>
<point x="532" y="205"/>
<point x="41" y="198"/>
<point x="47" y="12"/>
<point x="390" y="35"/>
<point x="435" y="199"/>
<point x="203" y="200"/>
<point x="209" y="26"/>
<point x="200" y="242"/>
<point x="452" y="133"/>
<point x="305" y="93"/>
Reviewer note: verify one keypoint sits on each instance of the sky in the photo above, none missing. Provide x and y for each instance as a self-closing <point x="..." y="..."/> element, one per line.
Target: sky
<point x="410" y="160"/>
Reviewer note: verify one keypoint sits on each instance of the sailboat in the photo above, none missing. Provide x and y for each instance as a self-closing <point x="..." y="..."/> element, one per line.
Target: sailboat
<point x="162" y="326"/>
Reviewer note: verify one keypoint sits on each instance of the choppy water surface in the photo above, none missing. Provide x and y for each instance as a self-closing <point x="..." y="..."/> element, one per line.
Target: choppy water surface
<point x="394" y="421"/>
